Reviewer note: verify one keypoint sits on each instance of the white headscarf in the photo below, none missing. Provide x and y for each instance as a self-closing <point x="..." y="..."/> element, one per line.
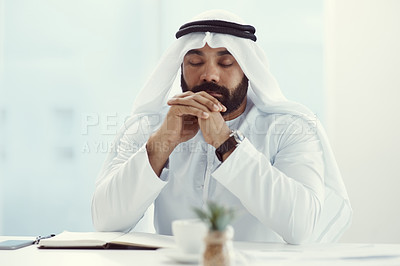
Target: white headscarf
<point x="264" y="92"/>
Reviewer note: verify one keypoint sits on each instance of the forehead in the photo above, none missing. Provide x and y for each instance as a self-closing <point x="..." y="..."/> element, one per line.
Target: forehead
<point x="208" y="51"/>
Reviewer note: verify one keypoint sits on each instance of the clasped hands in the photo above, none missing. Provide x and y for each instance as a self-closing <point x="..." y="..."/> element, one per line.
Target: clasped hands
<point x="191" y="112"/>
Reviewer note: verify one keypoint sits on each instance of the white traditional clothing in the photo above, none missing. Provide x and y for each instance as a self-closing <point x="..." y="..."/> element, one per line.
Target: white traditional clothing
<point x="283" y="178"/>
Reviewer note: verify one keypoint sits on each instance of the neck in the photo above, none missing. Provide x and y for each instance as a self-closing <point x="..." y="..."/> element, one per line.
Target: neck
<point x="237" y="112"/>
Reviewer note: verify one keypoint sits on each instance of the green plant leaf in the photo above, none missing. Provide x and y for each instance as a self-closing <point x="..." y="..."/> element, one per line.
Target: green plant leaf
<point x="201" y="214"/>
<point x="216" y="216"/>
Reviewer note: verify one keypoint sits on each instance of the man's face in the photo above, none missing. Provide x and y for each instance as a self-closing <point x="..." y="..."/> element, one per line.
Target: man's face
<point x="215" y="70"/>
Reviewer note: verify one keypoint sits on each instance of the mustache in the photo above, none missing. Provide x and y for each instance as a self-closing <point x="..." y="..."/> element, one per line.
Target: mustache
<point x="211" y="87"/>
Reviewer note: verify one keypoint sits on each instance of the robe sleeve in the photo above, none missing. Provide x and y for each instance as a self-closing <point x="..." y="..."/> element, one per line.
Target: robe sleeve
<point x="285" y="190"/>
<point x="128" y="188"/>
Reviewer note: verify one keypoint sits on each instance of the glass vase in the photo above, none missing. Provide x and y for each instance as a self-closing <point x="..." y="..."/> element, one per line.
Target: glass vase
<point x="218" y="250"/>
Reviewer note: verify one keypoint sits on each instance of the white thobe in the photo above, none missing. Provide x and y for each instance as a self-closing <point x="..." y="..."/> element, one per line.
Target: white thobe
<point x="274" y="179"/>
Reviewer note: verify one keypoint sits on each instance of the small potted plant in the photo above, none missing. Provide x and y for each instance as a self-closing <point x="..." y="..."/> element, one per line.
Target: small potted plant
<point x="217" y="251"/>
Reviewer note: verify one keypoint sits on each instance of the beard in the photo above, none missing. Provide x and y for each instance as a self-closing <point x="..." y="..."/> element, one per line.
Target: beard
<point x="231" y="99"/>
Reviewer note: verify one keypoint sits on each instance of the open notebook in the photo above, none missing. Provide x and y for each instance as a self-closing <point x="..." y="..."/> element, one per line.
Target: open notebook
<point x="108" y="240"/>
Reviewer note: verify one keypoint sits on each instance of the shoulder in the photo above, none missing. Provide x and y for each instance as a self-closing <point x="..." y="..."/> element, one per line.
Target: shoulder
<point x="283" y="129"/>
<point x="293" y="124"/>
<point x="281" y="123"/>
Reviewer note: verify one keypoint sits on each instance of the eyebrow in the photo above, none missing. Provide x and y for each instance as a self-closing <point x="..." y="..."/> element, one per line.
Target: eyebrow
<point x="197" y="52"/>
<point x="225" y="52"/>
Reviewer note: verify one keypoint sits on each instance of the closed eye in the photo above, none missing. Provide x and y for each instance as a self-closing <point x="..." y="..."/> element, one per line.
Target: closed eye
<point x="226" y="60"/>
<point x="195" y="63"/>
<point x="226" y="64"/>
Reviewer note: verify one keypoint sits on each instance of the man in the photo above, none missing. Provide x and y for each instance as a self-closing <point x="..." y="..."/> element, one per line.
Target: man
<point x="230" y="136"/>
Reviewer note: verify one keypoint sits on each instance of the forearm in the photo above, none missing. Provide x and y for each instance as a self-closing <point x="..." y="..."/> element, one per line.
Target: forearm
<point x="289" y="207"/>
<point x="121" y="199"/>
<point x="158" y="150"/>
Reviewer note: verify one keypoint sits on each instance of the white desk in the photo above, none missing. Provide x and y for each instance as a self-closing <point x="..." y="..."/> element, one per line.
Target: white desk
<point x="247" y="254"/>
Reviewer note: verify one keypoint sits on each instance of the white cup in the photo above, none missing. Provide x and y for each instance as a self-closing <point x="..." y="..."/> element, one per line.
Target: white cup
<point x="189" y="235"/>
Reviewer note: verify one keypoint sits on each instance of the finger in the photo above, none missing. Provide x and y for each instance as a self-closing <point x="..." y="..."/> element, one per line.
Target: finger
<point x="189" y="101"/>
<point x="211" y="102"/>
<point x="206" y="95"/>
<point x="182" y="110"/>
<point x="181" y="95"/>
<point x="202" y="98"/>
<point x="213" y="99"/>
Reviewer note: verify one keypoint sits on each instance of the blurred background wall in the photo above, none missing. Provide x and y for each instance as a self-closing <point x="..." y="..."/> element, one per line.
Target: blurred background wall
<point x="362" y="86"/>
<point x="70" y="70"/>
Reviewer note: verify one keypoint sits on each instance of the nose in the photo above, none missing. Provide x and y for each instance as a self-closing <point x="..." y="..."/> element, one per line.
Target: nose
<point x="210" y="74"/>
